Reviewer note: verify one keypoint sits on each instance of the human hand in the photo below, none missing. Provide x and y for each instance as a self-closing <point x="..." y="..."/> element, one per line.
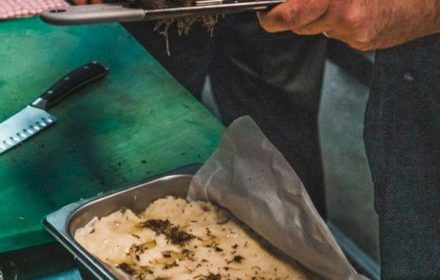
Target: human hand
<point x="363" y="24"/>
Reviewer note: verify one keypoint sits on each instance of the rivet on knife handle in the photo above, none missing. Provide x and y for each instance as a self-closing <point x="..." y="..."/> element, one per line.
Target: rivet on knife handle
<point x="70" y="83"/>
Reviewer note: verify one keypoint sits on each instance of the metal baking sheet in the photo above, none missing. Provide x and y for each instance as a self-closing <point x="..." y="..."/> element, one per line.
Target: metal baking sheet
<point x="63" y="223"/>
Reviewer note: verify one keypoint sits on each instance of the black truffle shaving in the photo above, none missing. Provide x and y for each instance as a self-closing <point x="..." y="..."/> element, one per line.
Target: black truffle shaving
<point x="238" y="259"/>
<point x="156" y="225"/>
<point x="212" y="276"/>
<point x="173" y="233"/>
<point x="183" y="25"/>
<point x="178" y="236"/>
<point x="125" y="267"/>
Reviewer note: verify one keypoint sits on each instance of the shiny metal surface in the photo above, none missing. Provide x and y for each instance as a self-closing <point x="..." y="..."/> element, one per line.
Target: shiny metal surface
<point x="120" y="12"/>
<point x="63" y="223"/>
<point x="208" y="2"/>
<point x="99" y="13"/>
<point x="22" y="126"/>
<point x="40" y="103"/>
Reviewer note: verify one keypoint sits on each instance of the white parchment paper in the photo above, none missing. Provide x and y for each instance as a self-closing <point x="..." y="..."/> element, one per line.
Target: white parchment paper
<point x="248" y="176"/>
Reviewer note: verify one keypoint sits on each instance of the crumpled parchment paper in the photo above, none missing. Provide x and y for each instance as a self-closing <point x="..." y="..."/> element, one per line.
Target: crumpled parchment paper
<point x="248" y="176"/>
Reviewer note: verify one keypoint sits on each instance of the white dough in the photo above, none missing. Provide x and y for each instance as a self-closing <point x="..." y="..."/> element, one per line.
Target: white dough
<point x="211" y="251"/>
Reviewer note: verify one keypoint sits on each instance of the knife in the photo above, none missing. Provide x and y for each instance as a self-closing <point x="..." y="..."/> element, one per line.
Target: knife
<point x="34" y="117"/>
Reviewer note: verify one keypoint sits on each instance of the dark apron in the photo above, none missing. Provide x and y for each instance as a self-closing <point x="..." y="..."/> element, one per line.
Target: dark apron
<point x="276" y="79"/>
<point x="402" y="135"/>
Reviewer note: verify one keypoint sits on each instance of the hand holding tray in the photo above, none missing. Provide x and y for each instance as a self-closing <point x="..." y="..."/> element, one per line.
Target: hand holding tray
<point x="126" y="12"/>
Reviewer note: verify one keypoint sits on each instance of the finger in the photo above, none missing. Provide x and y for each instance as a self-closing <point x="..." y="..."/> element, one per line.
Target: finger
<point x="277" y="19"/>
<point x="376" y="44"/>
<point x="319" y="26"/>
<point x="293" y="14"/>
<point x="330" y="25"/>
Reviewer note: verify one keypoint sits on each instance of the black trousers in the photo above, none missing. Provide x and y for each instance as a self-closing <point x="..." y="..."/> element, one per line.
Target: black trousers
<point x="276" y="79"/>
<point x="402" y="135"/>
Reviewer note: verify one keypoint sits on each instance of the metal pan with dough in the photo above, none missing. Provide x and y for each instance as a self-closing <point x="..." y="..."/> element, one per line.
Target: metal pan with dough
<point x="70" y="226"/>
<point x="63" y="223"/>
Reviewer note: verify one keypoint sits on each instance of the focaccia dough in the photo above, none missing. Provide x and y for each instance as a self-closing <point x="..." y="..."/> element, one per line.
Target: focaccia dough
<point x="175" y="239"/>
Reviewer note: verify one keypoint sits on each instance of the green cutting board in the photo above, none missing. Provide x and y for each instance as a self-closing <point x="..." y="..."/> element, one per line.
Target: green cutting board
<point x="136" y="123"/>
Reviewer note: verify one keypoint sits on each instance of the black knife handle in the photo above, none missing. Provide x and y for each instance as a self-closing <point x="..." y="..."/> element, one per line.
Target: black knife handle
<point x="70" y="83"/>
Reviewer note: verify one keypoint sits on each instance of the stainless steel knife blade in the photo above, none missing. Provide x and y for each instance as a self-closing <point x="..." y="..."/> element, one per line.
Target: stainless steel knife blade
<point x="34" y="118"/>
<point x="23" y="125"/>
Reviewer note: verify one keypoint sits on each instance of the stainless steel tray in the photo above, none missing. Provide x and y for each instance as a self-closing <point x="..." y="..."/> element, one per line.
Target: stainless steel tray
<point x="63" y="223"/>
<point x="123" y="12"/>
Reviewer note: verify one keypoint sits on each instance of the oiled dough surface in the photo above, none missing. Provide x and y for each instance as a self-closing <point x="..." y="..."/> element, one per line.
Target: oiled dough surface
<point x="213" y="247"/>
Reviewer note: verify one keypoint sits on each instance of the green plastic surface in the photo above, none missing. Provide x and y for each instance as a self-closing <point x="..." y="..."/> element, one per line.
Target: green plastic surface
<point x="136" y="123"/>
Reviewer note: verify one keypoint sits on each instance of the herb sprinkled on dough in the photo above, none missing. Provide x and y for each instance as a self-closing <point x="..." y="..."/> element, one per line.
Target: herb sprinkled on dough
<point x="173" y="233"/>
<point x="125" y="267"/>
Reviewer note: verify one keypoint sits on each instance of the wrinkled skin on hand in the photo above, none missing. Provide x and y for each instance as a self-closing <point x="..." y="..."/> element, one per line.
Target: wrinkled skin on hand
<point x="363" y="24"/>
